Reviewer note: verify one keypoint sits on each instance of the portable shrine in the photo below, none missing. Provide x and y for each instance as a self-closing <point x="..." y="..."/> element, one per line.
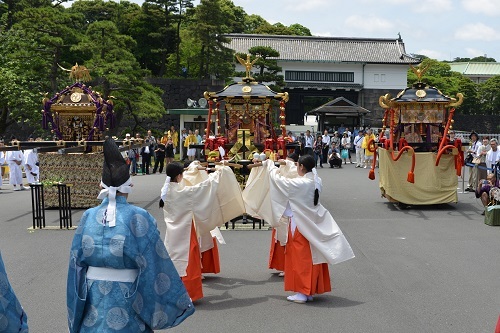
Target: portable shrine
<point x="418" y="164"/>
<point x="249" y="116"/>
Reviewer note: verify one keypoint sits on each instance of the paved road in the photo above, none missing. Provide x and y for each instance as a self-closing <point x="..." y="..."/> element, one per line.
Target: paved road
<point x="426" y="269"/>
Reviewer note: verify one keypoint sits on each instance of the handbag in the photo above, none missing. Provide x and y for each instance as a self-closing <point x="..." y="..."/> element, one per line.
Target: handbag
<point x="476" y="160"/>
<point x="344" y="154"/>
<point x="468" y="159"/>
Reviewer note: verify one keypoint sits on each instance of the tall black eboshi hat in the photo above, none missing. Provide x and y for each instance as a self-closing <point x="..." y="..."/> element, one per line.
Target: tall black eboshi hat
<point x="115" y="171"/>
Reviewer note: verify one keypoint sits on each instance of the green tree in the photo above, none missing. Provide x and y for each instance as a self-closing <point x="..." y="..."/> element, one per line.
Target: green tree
<point x="142" y="25"/>
<point x="458" y="59"/>
<point x="469" y="89"/>
<point x="189" y="52"/>
<point x="215" y="57"/>
<point x="252" y="22"/>
<point x="56" y="30"/>
<point x="20" y="82"/>
<point x="234" y="16"/>
<point x="117" y="73"/>
<point x="483" y="59"/>
<point x="163" y="36"/>
<point x="268" y="69"/>
<point x="476" y="59"/>
<point x="182" y="7"/>
<point x="489" y="94"/>
<point x="440" y="76"/>
<point x="299" y="30"/>
<point x="280" y="29"/>
<point x="273" y="29"/>
<point x="96" y="10"/>
<point x="161" y="21"/>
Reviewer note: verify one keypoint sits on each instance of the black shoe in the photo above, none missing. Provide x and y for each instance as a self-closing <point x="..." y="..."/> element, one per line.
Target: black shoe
<point x="321" y="165"/>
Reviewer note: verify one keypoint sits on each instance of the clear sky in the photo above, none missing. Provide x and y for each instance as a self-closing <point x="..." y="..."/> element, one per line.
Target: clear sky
<point x="440" y="29"/>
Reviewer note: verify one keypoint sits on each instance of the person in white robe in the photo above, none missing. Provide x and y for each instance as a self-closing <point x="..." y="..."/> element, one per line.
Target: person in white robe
<point x="31" y="166"/>
<point x="288" y="168"/>
<point x="210" y="203"/>
<point x="15" y="160"/>
<point x="196" y="174"/>
<point x="272" y="195"/>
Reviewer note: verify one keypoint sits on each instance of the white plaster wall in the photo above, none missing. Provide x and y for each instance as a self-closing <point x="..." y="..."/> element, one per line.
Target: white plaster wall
<point x="371" y="76"/>
<point x="385" y="76"/>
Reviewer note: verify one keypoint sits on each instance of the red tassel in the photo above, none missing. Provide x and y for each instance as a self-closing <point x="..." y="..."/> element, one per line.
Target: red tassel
<point x="411" y="177"/>
<point x="371" y="174"/>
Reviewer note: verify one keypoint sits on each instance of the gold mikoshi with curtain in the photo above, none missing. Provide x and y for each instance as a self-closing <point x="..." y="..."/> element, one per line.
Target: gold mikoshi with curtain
<point x="414" y="141"/>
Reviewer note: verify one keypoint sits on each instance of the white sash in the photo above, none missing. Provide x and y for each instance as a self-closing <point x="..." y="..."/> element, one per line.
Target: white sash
<point x="112" y="274"/>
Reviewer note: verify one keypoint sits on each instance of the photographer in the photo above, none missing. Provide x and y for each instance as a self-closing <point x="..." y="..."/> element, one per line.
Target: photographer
<point x="484" y="187"/>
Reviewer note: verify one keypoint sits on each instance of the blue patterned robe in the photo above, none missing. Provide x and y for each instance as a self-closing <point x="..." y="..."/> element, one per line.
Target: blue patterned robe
<point x="13" y="319"/>
<point x="157" y="298"/>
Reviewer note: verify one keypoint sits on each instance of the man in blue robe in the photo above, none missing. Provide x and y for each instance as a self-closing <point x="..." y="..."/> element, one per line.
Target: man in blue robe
<point x="120" y="276"/>
<point x="13" y="319"/>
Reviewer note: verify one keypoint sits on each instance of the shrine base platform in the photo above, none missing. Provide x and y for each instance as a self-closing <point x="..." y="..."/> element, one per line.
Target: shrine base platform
<point x="433" y="184"/>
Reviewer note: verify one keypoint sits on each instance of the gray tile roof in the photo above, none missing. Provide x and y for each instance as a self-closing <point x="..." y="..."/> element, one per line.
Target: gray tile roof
<point x="327" y="49"/>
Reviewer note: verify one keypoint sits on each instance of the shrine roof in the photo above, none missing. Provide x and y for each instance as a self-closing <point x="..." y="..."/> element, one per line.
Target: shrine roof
<point x="246" y="89"/>
<point x="421" y="93"/>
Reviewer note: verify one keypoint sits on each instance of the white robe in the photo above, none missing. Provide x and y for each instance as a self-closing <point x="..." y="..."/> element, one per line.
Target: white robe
<point x="256" y="194"/>
<point x="193" y="176"/>
<point x="30" y="159"/>
<point x="210" y="203"/>
<point x="492" y="157"/>
<point x="15" y="170"/>
<point x="328" y="243"/>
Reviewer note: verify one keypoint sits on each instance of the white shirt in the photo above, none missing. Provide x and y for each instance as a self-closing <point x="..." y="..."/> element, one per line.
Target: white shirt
<point x="326" y="139"/>
<point x="358" y="141"/>
<point x="346" y="142"/>
<point x="476" y="148"/>
<point x="492" y="157"/>
<point x="13" y="156"/>
<point x="309" y="141"/>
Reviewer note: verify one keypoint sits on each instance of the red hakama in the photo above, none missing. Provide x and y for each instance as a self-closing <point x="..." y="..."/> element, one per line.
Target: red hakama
<point x="210" y="262"/>
<point x="276" y="254"/>
<point x="300" y="274"/>
<point x="192" y="280"/>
